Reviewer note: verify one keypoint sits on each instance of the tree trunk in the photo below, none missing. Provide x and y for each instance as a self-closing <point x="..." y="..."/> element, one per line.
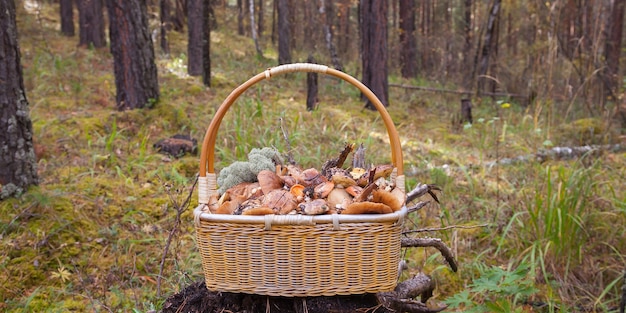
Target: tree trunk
<point x="164" y="7"/>
<point x="261" y="19"/>
<point x="274" y="18"/>
<point x="240" y="30"/>
<point x="196" y="22"/>
<point x="207" y="10"/>
<point x="284" y="33"/>
<point x="613" y="48"/>
<point x="373" y="16"/>
<point x="326" y="10"/>
<point x="311" y="88"/>
<point x="178" y="22"/>
<point x="408" y="50"/>
<point x="487" y="44"/>
<point x="133" y="55"/>
<point x="467" y="34"/>
<point x="343" y="29"/>
<point x="67" y="17"/>
<point x="91" y="23"/>
<point x="253" y="30"/>
<point x="18" y="165"/>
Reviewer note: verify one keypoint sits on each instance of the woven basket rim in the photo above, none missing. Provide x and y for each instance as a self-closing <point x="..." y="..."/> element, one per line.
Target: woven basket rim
<point x="298" y="219"/>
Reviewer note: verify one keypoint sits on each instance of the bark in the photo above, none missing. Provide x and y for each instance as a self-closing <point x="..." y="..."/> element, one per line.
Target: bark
<point x="133" y="54"/>
<point x="261" y="20"/>
<point x="343" y="28"/>
<point x="196" y="22"/>
<point x="18" y="165"/>
<point x="284" y="33"/>
<point x="240" y="30"/>
<point x="326" y="10"/>
<point x="164" y="7"/>
<point x="91" y="23"/>
<point x="613" y="48"/>
<point x="178" y="22"/>
<point x="487" y="44"/>
<point x="466" y="111"/>
<point x="408" y="50"/>
<point x="255" y="38"/>
<point x="311" y="91"/>
<point x="206" y="43"/>
<point x="67" y="17"/>
<point x="373" y="16"/>
<point x="274" y="20"/>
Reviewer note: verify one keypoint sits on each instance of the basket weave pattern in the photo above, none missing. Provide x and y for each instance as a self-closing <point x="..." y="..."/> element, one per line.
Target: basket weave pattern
<point x="297" y="260"/>
<point x="297" y="255"/>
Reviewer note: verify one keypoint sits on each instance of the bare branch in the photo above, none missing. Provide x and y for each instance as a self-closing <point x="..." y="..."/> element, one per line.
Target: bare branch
<point x="432" y="242"/>
<point x="424" y="230"/>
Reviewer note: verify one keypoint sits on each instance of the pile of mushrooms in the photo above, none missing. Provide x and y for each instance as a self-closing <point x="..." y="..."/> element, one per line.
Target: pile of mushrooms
<point x="292" y="190"/>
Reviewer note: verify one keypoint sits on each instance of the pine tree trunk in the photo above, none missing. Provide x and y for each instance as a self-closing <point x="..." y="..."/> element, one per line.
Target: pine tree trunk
<point x="408" y="52"/>
<point x="67" y="17"/>
<point x="196" y="22"/>
<point x="326" y="9"/>
<point x="240" y="30"/>
<point x="253" y="30"/>
<point x="133" y="55"/>
<point x="206" y="43"/>
<point x="284" y="33"/>
<point x="18" y="165"/>
<point x="261" y="20"/>
<point x="164" y="7"/>
<point x="487" y="44"/>
<point x="91" y="23"/>
<point x="373" y="16"/>
<point x="614" y="47"/>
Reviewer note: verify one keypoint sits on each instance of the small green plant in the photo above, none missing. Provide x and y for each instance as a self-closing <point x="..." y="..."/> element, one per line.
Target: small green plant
<point x="495" y="290"/>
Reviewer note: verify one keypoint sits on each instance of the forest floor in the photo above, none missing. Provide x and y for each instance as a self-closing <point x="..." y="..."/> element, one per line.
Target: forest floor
<point x="92" y="236"/>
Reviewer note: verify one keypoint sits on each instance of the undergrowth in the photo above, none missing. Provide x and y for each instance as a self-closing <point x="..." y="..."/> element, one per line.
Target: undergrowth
<point x="92" y="236"/>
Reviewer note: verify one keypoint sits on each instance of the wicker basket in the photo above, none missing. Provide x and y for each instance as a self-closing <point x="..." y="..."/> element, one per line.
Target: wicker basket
<point x="297" y="255"/>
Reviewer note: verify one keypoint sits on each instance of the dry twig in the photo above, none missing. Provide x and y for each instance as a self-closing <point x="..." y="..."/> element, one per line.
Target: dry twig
<point x="180" y="208"/>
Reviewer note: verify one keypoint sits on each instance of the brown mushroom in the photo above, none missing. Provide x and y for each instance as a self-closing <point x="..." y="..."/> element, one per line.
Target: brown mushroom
<point x="388" y="198"/>
<point x="269" y="181"/>
<point x="323" y="189"/>
<point x="367" y="208"/>
<point x="338" y="198"/>
<point x="342" y="180"/>
<point x="312" y="177"/>
<point x="262" y="210"/>
<point x="315" y="207"/>
<point x="281" y="200"/>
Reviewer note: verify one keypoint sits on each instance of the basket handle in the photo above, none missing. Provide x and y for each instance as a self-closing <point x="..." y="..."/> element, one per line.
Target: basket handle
<point x="207" y="184"/>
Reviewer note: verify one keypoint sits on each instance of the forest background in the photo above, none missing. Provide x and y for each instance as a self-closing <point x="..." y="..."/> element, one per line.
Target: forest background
<point x="538" y="232"/>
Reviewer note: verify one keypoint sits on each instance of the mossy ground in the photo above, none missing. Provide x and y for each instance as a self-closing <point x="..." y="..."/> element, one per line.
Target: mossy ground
<point x="91" y="236"/>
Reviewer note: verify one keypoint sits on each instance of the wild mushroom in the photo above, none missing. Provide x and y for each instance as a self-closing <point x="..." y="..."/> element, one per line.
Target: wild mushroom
<point x="367" y="208"/>
<point x="269" y="181"/>
<point x="388" y="198"/>
<point x="281" y="200"/>
<point x="315" y="207"/>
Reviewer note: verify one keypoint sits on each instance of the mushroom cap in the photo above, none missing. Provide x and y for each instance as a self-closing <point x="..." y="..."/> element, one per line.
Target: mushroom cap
<point x="367" y="207"/>
<point x="315" y="207"/>
<point x="281" y="200"/>
<point x="337" y="198"/>
<point x="388" y="198"/>
<point x="269" y="181"/>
